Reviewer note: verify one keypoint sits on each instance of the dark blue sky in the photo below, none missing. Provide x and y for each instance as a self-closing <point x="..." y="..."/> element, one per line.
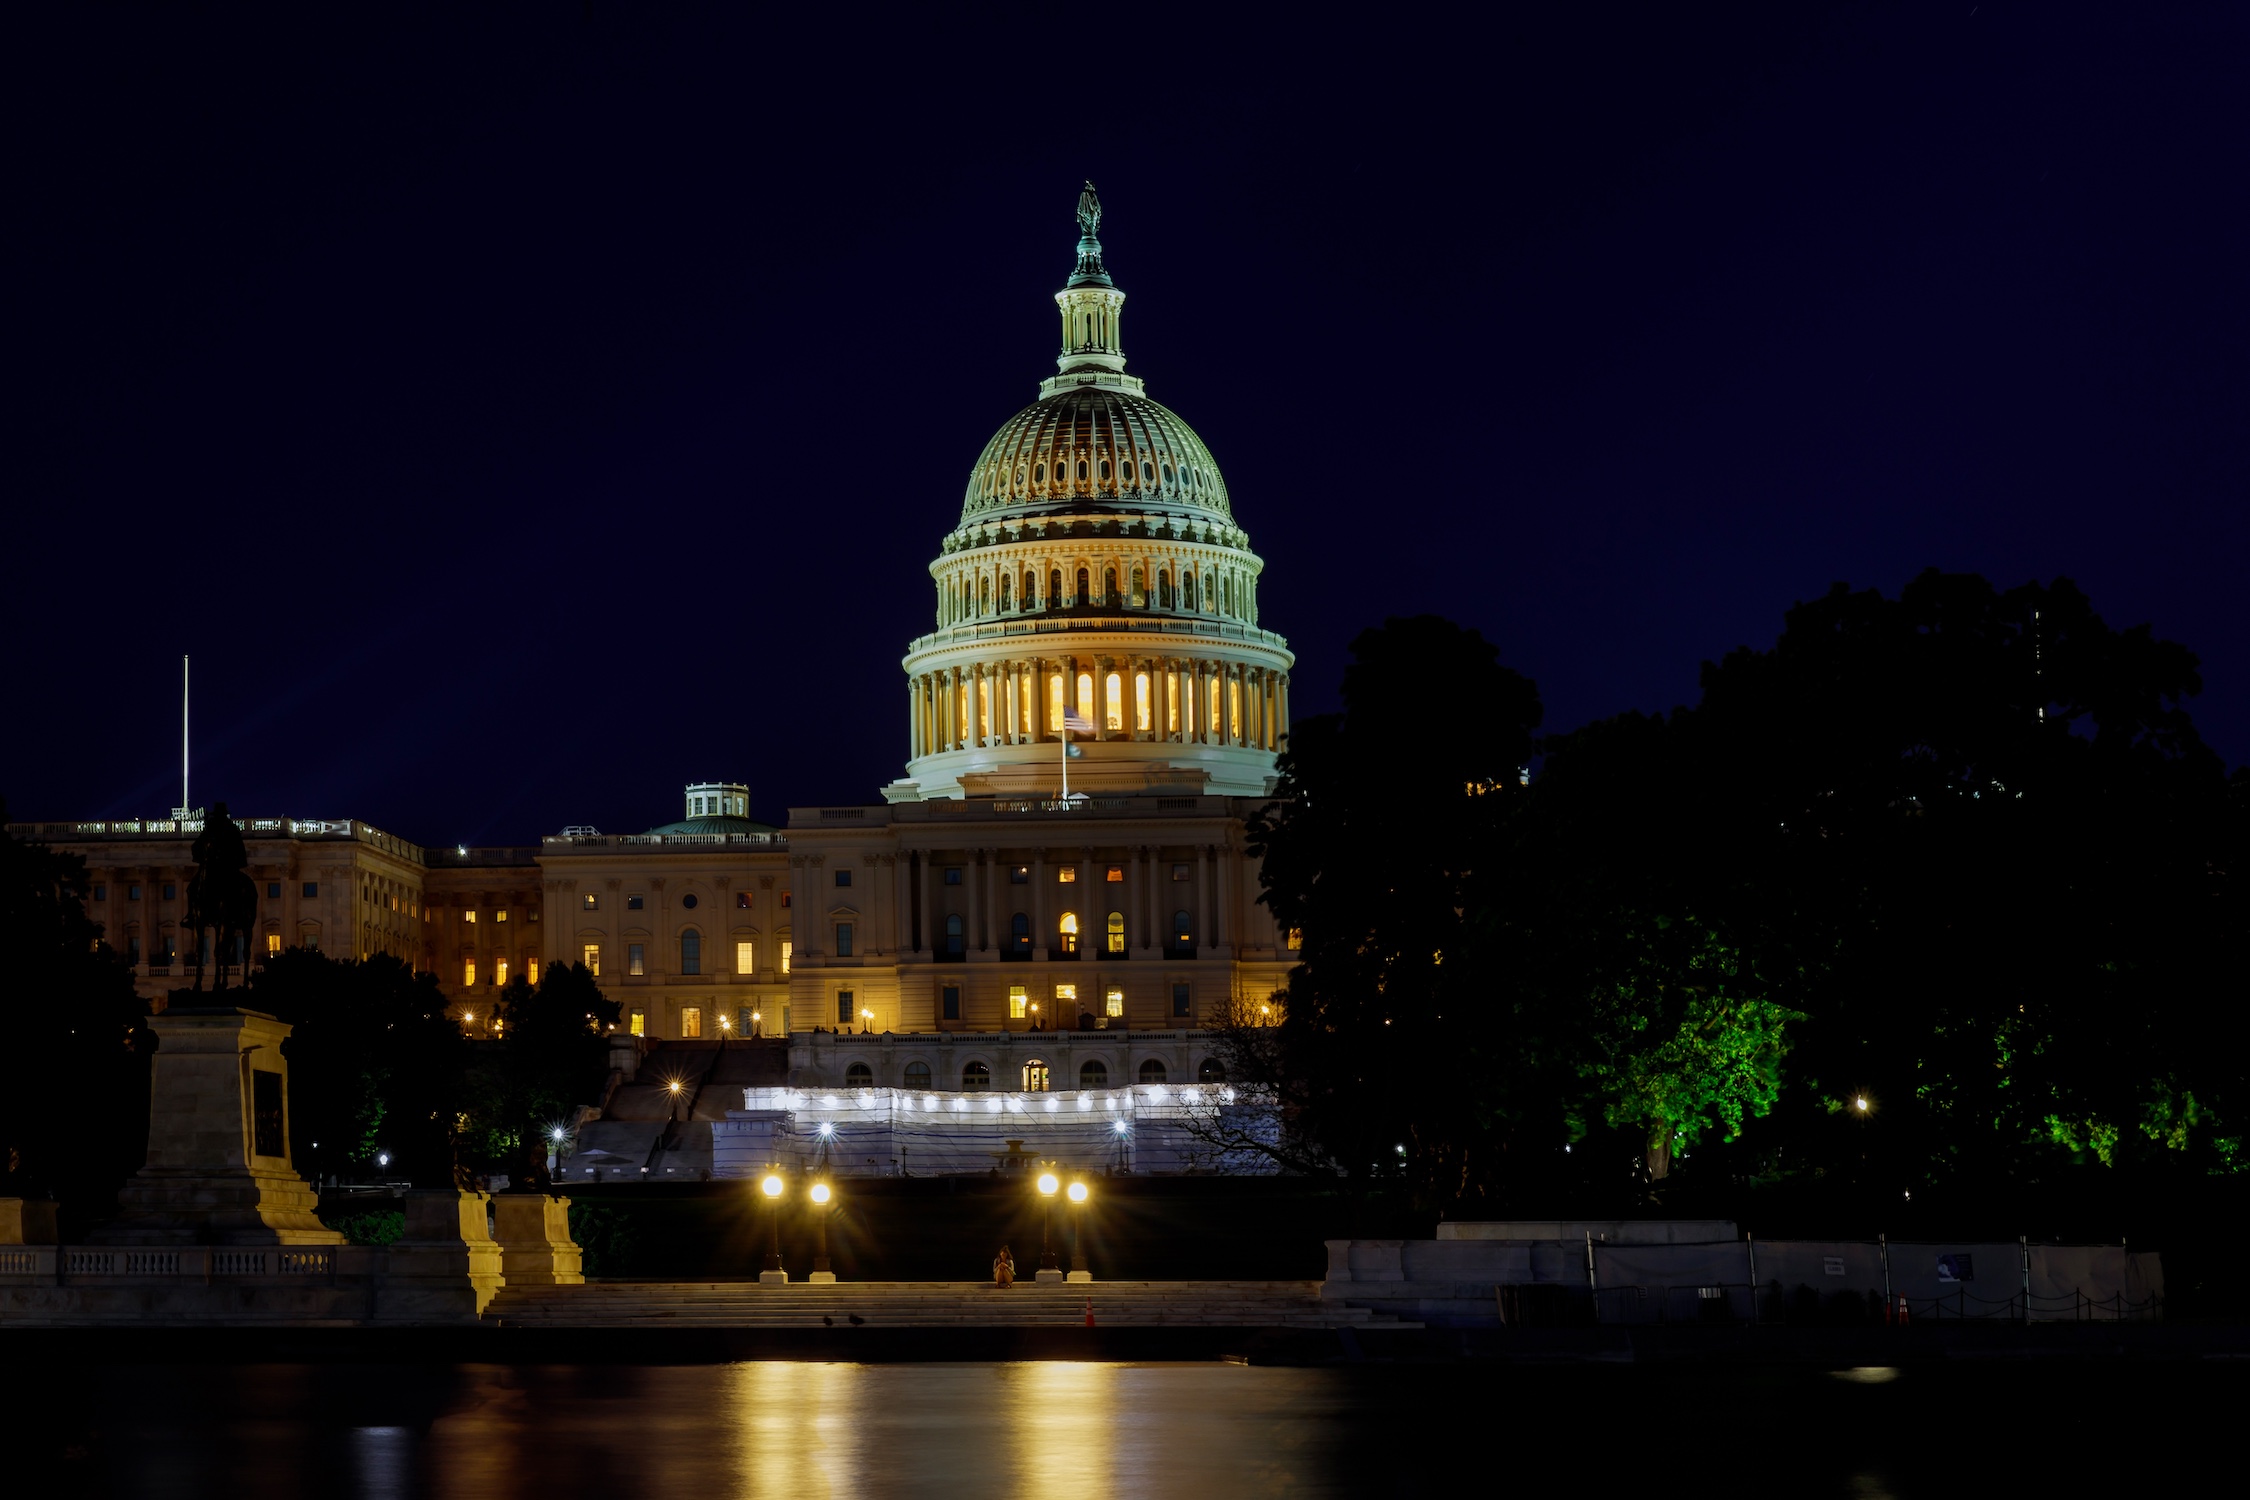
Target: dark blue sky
<point x="521" y="414"/>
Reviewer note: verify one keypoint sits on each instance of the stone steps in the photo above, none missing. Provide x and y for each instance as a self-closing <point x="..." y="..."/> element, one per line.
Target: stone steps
<point x="930" y="1305"/>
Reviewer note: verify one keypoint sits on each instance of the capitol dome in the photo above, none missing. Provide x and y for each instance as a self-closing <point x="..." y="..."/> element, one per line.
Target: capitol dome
<point x="1097" y="602"/>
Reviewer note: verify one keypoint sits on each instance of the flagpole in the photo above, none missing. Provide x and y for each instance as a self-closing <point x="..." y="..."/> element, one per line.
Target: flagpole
<point x="1066" y="755"/>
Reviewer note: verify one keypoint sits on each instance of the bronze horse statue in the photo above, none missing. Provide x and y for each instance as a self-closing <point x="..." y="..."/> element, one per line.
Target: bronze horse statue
<point x="220" y="894"/>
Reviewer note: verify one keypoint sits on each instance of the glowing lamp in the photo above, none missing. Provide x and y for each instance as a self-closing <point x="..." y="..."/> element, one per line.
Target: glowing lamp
<point x="1078" y="1192"/>
<point x="820" y="1192"/>
<point x="771" y="1187"/>
<point x="1047" y="1184"/>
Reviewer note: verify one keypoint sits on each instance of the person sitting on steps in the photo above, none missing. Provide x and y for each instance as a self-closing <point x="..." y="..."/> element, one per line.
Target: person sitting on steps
<point x="1003" y="1268"/>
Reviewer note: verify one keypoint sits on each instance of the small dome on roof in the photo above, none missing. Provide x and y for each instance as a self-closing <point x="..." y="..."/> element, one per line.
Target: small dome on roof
<point x="714" y="823"/>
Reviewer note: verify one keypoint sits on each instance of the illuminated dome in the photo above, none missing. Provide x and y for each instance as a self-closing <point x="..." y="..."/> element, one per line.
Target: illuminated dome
<point x="1096" y="591"/>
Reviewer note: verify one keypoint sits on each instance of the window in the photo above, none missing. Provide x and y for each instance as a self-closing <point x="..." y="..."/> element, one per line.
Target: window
<point x="843" y="877"/>
<point x="691" y="1022"/>
<point x="1115" y="875"/>
<point x="785" y="955"/>
<point x="741" y="900"/>
<point x="1114" y="939"/>
<point x="859" y="1076"/>
<point x="273" y="890"/>
<point x="1066" y="875"/>
<point x="632" y="903"/>
<point x="1152" y="1071"/>
<point x="502" y="916"/>
<point x="132" y="893"/>
<point x="917" y="1075"/>
<point x="500" y="973"/>
<point x="165" y="956"/>
<point x="1180" y="872"/>
<point x="1066" y="999"/>
<point x="975" y="1078"/>
<point x="687" y="902"/>
<point x="846" y="1007"/>
<point x="531" y="970"/>
<point x="1093" y="1075"/>
<point x="1019" y="875"/>
<point x="312" y="889"/>
<point x="1296" y="939"/>
<point x="1086" y="692"/>
<point x="952" y="874"/>
<point x="1212" y="1071"/>
<point x="133" y="948"/>
<point x="637" y="1023"/>
<point x="745" y="958"/>
<point x="469" y="973"/>
<point x="955" y="940"/>
<point x="1066" y="932"/>
<point x="1183" y="931"/>
<point x="1035" y="1077"/>
<point x="785" y="895"/>
<point x="843" y="940"/>
<point x="949" y="1002"/>
<point x="593" y="959"/>
<point x="469" y="917"/>
<point x="1017" y="1001"/>
<point x="1113" y="701"/>
<point x="590" y="902"/>
<point x="636" y="958"/>
<point x="1113" y="1004"/>
<point x="1019" y="935"/>
<point x="691" y="953"/>
<point x="1141" y="708"/>
<point x="171" y="891"/>
<point x="273" y="945"/>
<point x="1182" y="1004"/>
<point x="1054" y="700"/>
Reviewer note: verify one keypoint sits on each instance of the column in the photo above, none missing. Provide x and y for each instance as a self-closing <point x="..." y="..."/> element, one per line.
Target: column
<point x="1013" y="733"/>
<point x="1101" y="697"/>
<point x="980" y="899"/>
<point x="1224" y="924"/>
<point x="902" y="907"/>
<point x="922" y="943"/>
<point x="1281" y="711"/>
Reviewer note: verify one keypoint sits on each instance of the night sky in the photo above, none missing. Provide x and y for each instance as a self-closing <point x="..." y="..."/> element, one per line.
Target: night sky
<point x="521" y="415"/>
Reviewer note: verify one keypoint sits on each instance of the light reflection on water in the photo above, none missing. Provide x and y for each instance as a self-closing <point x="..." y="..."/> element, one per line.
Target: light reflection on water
<point x="1058" y="1428"/>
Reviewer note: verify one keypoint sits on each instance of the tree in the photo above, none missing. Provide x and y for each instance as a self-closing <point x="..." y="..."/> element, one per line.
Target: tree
<point x="74" y="1115"/>
<point x="551" y="1057"/>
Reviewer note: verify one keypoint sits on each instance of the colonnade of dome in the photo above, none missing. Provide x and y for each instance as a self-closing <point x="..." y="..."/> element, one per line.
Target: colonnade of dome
<point x="1096" y="567"/>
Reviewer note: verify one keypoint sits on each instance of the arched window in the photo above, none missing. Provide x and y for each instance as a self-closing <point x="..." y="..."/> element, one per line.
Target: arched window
<point x="1140" y="588"/>
<point x="1039" y="474"/>
<point x="1019" y="934"/>
<point x="1066" y="933"/>
<point x="1212" y="1071"/>
<point x="1167" y="473"/>
<point x="1083" y="583"/>
<point x="1140" y="701"/>
<point x="954" y="941"/>
<point x="859" y="1076"/>
<point x="1093" y="1075"/>
<point x="1115" y="937"/>
<point x="1105" y="471"/>
<point x="1086" y="696"/>
<point x="917" y="1075"/>
<point x="691" y="952"/>
<point x="975" y="1078"/>
<point x="1187" y="591"/>
<point x="984" y="596"/>
<point x="1035" y="1077"/>
<point x="1163" y="591"/>
<point x="1005" y="582"/>
<point x="1148" y="472"/>
<point x="1152" y="1071"/>
<point x="1183" y="932"/>
<point x="1109" y="585"/>
<point x="1054" y="588"/>
<point x="1113" y="701"/>
<point x="1082" y="469"/>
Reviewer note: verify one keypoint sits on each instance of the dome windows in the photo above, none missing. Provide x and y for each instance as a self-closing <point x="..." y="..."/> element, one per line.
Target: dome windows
<point x="1082" y="469"/>
<point x="1168" y="474"/>
<point x="1105" y="470"/>
<point x="1039" y="474"/>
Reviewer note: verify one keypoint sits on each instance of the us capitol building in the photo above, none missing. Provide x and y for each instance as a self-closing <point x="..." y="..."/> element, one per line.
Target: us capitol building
<point x="976" y="931"/>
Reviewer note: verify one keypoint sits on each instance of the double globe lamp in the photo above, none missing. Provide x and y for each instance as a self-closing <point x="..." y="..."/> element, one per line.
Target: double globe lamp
<point x="1049" y="1269"/>
<point x="822" y="1195"/>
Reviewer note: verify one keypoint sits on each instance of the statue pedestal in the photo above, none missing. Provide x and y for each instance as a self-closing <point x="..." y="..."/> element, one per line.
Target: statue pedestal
<point x="27" y="1221"/>
<point x="535" y="1244"/>
<point x="219" y="1170"/>
<point x="445" y="1267"/>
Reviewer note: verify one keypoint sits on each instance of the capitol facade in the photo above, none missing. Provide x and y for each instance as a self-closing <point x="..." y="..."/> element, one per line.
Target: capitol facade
<point x="1055" y="893"/>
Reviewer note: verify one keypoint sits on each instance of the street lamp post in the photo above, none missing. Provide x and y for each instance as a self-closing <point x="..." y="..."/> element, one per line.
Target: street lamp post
<point x="820" y="1197"/>
<point x="1078" y="1271"/>
<point x="1049" y="1269"/>
<point x="773" y="1275"/>
<point x="757" y="1023"/>
<point x="866" y="1022"/>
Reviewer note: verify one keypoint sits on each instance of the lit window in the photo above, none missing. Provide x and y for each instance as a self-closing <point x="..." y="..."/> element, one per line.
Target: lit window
<point x="1140" y="700"/>
<point x="636" y="958"/>
<point x="469" y="974"/>
<point x="500" y="916"/>
<point x="1035" y="1077"/>
<point x="1182" y="1005"/>
<point x="531" y="970"/>
<point x="470" y="917"/>
<point x="1113" y="700"/>
<point x="691" y="953"/>
<point x="785" y="895"/>
<point x="637" y="1023"/>
<point x="500" y="972"/>
<point x="1066" y="999"/>
<point x="1086" y="692"/>
<point x="590" y="902"/>
<point x="1115" y="937"/>
<point x="745" y="958"/>
<point x="691" y="1020"/>
<point x="1171" y="703"/>
<point x="273" y="942"/>
<point x="1054" y="702"/>
<point x="1017" y="1000"/>
<point x="1296" y="938"/>
<point x="1066" y="875"/>
<point x="1115" y="875"/>
<point x="1234" y="707"/>
<point x="593" y="959"/>
<point x="785" y="955"/>
<point x="1067" y="931"/>
<point x="843" y="940"/>
<point x="1113" y="1003"/>
<point x="949" y="1000"/>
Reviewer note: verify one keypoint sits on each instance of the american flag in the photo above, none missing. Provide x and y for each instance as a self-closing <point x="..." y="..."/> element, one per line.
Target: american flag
<point x="1076" y="722"/>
